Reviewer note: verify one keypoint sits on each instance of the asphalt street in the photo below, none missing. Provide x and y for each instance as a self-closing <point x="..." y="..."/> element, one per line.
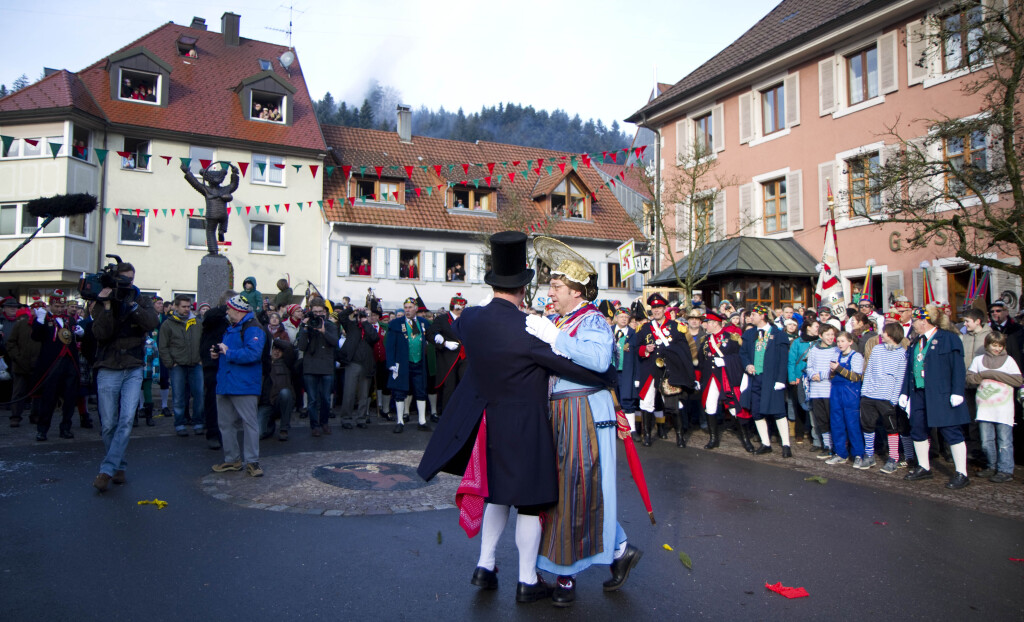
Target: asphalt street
<point x="862" y="552"/>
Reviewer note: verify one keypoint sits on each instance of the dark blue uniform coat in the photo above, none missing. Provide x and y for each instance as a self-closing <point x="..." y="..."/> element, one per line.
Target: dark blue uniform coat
<point x="944" y="375"/>
<point x="629" y="393"/>
<point x="776" y="361"/>
<point x="397" y="348"/>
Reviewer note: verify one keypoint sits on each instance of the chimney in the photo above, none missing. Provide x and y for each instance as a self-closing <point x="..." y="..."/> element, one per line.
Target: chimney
<point x="404" y="123"/>
<point x="198" y="23"/>
<point x="229" y="28"/>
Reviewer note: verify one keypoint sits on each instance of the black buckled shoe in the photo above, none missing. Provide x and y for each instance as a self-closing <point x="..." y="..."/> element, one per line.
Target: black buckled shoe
<point x="958" y="481"/>
<point x="564" y="594"/>
<point x="526" y="593"/>
<point x="484" y="578"/>
<point x="917" y="473"/>
<point x="398" y="429"/>
<point x="787" y="452"/>
<point x="621" y="568"/>
<point x="763" y="449"/>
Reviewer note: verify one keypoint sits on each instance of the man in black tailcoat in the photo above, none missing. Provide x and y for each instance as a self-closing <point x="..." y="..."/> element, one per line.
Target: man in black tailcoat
<point x="451" y="356"/>
<point x="495" y="430"/>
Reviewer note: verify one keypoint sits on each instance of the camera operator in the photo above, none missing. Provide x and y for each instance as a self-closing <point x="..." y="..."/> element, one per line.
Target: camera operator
<point x="317" y="339"/>
<point x="120" y="324"/>
<point x="356" y="354"/>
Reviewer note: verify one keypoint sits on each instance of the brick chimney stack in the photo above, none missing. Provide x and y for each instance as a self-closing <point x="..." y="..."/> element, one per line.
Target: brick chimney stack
<point x="229" y="28"/>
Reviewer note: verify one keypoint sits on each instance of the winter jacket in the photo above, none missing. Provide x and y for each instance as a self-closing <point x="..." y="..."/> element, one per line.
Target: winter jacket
<point x="797" y="361"/>
<point x="180" y="341"/>
<point x="254" y="297"/>
<point x="240" y="371"/>
<point x="318" y="349"/>
<point x="121" y="332"/>
<point x="974" y="344"/>
<point x="21" y="348"/>
<point x="215" y="322"/>
<point x="360" y="336"/>
<point x="283" y="298"/>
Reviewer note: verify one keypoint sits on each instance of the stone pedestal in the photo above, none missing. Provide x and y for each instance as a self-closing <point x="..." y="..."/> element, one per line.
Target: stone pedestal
<point x="215" y="275"/>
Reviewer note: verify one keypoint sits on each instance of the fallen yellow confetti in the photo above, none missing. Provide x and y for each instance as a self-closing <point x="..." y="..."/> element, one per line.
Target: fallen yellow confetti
<point x="667" y="547"/>
<point x="157" y="502"/>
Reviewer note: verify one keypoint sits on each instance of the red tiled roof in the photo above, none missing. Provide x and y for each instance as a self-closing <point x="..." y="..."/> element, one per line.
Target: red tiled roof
<point x="632" y="179"/>
<point x="61" y="89"/>
<point x="201" y="98"/>
<point x="357" y="147"/>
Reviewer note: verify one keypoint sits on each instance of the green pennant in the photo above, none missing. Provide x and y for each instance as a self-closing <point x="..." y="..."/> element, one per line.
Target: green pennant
<point x="300" y="205"/>
<point x="55" y="149"/>
<point x="423" y="166"/>
<point x="505" y="164"/>
<point x="258" y="209"/>
<point x="529" y="164"/>
<point x="572" y="161"/>
<point x="362" y="171"/>
<point x="396" y="168"/>
<point x="106" y="210"/>
<point x="277" y="207"/>
<point x="549" y="169"/>
<point x="224" y="164"/>
<point x="201" y="210"/>
<point x="164" y="211"/>
<point x="430" y="191"/>
<point x="261" y="166"/>
<point x="186" y="161"/>
<point x="7" y="141"/>
<point x="362" y="198"/>
<point x="321" y="204"/>
<point x="526" y="175"/>
<point x="298" y="167"/>
<point x="144" y="160"/>
<point x="476" y="183"/>
<point x="101" y="154"/>
<point x="330" y="170"/>
<point x="600" y="158"/>
<point x="498" y="180"/>
<point x="451" y="167"/>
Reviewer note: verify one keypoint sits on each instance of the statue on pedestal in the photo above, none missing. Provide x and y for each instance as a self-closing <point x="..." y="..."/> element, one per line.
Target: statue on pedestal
<point x="217" y="198"/>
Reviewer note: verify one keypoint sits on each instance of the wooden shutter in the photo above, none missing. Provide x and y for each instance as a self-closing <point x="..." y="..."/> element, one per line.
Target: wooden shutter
<point x="746" y="106"/>
<point x="888" y="75"/>
<point x="380" y="262"/>
<point x="746" y="226"/>
<point x="827" y="86"/>
<point x="393" y="261"/>
<point x="474" y="268"/>
<point x="889" y="155"/>
<point x="940" y="283"/>
<point x="719" y="216"/>
<point x="918" y="53"/>
<point x="892" y="286"/>
<point x="792" y="88"/>
<point x="427" y="265"/>
<point x="440" y="266"/>
<point x="602" y="276"/>
<point x="923" y="190"/>
<point x="682" y="224"/>
<point x="918" y="276"/>
<point x="826" y="171"/>
<point x="683" y="140"/>
<point x="718" y="127"/>
<point x="343" y="259"/>
<point x="795" y="200"/>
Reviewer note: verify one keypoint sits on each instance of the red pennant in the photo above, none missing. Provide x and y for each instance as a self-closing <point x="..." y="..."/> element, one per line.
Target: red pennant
<point x="167" y="159"/>
<point x="437" y="169"/>
<point x="229" y="211"/>
<point x="395" y="195"/>
<point x="379" y="169"/>
<point x="116" y="211"/>
<point x="537" y="170"/>
<point x="465" y="169"/>
<point x="373" y="197"/>
<point x="622" y="175"/>
<point x="586" y="160"/>
<point x="515" y="162"/>
<point x="352" y="201"/>
<point x="34" y="142"/>
<point x="345" y="170"/>
<point x="612" y="180"/>
<point x="330" y="203"/>
<point x="512" y="177"/>
<point x="123" y="154"/>
<point x="408" y="172"/>
<point x="138" y="212"/>
<point x="561" y="166"/>
<point x="172" y="212"/>
<point x="287" y="206"/>
<point x="243" y="167"/>
<point x="613" y="154"/>
<point x="490" y="167"/>
<point x="279" y="166"/>
<point x="487" y="180"/>
<point x="593" y="195"/>
<point x="313" y="169"/>
<point x="190" y="211"/>
<point x="417" y="191"/>
<point x="206" y="163"/>
<point x="247" y="208"/>
<point x="540" y="162"/>
<point x="639" y="151"/>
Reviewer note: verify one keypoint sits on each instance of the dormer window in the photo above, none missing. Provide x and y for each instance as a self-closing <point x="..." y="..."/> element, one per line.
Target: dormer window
<point x="473" y="199"/>
<point x="568" y="200"/>
<point x="377" y="190"/>
<point x="187" y="46"/>
<point x="268" y="107"/>
<point x="139" y="86"/>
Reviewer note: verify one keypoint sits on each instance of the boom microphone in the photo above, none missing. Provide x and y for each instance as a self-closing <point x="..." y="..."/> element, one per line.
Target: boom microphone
<point x="62" y="205"/>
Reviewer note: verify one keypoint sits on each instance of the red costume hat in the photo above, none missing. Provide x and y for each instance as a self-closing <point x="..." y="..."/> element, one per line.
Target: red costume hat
<point x="656" y="300"/>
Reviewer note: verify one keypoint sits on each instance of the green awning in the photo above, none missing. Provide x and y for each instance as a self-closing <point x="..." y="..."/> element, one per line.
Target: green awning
<point x="742" y="256"/>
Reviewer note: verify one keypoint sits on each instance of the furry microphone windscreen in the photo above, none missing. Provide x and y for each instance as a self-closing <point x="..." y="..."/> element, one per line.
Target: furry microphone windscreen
<point x="62" y="205"/>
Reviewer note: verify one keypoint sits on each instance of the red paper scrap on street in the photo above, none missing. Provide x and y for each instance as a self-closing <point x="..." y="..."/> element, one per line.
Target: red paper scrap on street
<point x="788" y="592"/>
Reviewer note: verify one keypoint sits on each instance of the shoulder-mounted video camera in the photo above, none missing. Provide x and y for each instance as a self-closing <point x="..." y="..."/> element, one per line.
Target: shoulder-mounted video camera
<point x="90" y="285"/>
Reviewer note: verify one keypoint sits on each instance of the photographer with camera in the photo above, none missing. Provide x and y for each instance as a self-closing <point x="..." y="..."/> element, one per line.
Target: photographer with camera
<point x="317" y="339"/>
<point x="120" y="324"/>
<point x="356" y="354"/>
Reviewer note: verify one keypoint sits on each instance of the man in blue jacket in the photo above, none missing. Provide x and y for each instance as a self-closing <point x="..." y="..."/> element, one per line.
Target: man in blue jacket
<point x="407" y="361"/>
<point x="239" y="380"/>
<point x="765" y="357"/>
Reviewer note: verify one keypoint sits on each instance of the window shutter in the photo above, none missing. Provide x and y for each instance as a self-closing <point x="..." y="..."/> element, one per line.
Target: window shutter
<point x="888" y="76"/>
<point x="718" y="126"/>
<point x="747" y="210"/>
<point x="892" y="286"/>
<point x="889" y="154"/>
<point x="343" y="260"/>
<point x="795" y="200"/>
<point x="427" y="273"/>
<point x="940" y="283"/>
<point x="827" y="86"/>
<point x="918" y="53"/>
<point x="922" y="191"/>
<point x="473" y="269"/>
<point x="682" y="232"/>
<point x="380" y="263"/>
<point x="792" y="87"/>
<point x="719" y="216"/>
<point x="826" y="172"/>
<point x="996" y="156"/>
<point x="602" y="276"/>
<point x="683" y="140"/>
<point x="440" y="268"/>
<point x="918" y="286"/>
<point x="993" y="8"/>
<point x="746" y="117"/>
<point x="393" y="261"/>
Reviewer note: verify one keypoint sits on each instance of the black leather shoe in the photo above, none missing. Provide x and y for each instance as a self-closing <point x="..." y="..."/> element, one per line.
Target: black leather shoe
<point x="484" y="578"/>
<point x="422" y="427"/>
<point x="918" y="473"/>
<point x="621" y="568"/>
<point x="662" y="434"/>
<point x="763" y="449"/>
<point x="434" y="418"/>
<point x="958" y="481"/>
<point x="40" y="436"/>
<point x="526" y="593"/>
<point x="647" y="440"/>
<point x="680" y="440"/>
<point x="564" y="594"/>
<point x="66" y="434"/>
<point x="398" y="429"/>
<point x="787" y="452"/>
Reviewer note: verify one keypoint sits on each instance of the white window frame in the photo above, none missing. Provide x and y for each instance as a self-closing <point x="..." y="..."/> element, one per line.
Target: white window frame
<point x="120" y="232"/>
<point x="88" y="143"/>
<point x="841" y="184"/>
<point x="158" y="89"/>
<point x="934" y="74"/>
<point x="757" y="130"/>
<point x="841" y="78"/>
<point x="269" y="161"/>
<point x="188" y="221"/>
<point x="284" y="108"/>
<point x="686" y="132"/>
<point x="149" y="156"/>
<point x="758" y="204"/>
<point x="62" y="225"/>
<point x="265" y="224"/>
<point x="194" y="161"/>
<point x="347" y="268"/>
<point x="43" y="146"/>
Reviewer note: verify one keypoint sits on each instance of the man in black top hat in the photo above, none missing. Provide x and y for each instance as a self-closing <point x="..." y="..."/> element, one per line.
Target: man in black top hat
<point x="451" y="355"/>
<point x="497" y="421"/>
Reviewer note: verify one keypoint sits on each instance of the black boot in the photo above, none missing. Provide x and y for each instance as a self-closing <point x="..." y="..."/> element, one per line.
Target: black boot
<point x="647" y="420"/>
<point x="712" y="432"/>
<point x="662" y="434"/>
<point x="677" y="421"/>
<point x="747" y="445"/>
<point x="147" y="411"/>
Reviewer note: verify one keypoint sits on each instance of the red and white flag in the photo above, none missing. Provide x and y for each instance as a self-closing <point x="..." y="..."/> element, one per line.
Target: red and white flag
<point x="830" y="283"/>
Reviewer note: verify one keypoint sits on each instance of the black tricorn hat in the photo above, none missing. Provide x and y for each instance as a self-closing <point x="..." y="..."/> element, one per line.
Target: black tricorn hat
<point x="639" y="311"/>
<point x="508" y="261"/>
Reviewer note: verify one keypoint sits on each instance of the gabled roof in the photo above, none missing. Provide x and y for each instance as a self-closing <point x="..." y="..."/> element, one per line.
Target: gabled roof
<point x="745" y="255"/>
<point x="787" y="25"/>
<point x="202" y="102"/>
<point x="59" y="91"/>
<point x="546" y="184"/>
<point x="141" y="51"/>
<point x="631" y="179"/>
<point x="265" y="74"/>
<point x="358" y="147"/>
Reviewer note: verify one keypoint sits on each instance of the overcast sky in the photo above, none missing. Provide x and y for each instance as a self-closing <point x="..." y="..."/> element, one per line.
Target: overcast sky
<point x="595" y="58"/>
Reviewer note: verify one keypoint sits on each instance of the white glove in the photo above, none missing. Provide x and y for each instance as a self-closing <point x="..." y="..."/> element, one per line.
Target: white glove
<point x="40" y="314"/>
<point x="719" y="361"/>
<point x="956" y="400"/>
<point x="780" y="386"/>
<point x="394" y="371"/>
<point x="542" y="328"/>
<point x="79" y="331"/>
<point x="451" y="345"/>
<point x="696" y="385"/>
<point x="438" y="339"/>
<point x="904" y="401"/>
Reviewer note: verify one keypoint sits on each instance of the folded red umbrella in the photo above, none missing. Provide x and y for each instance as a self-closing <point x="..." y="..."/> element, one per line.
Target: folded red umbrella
<point x="788" y="592"/>
<point x="632" y="458"/>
